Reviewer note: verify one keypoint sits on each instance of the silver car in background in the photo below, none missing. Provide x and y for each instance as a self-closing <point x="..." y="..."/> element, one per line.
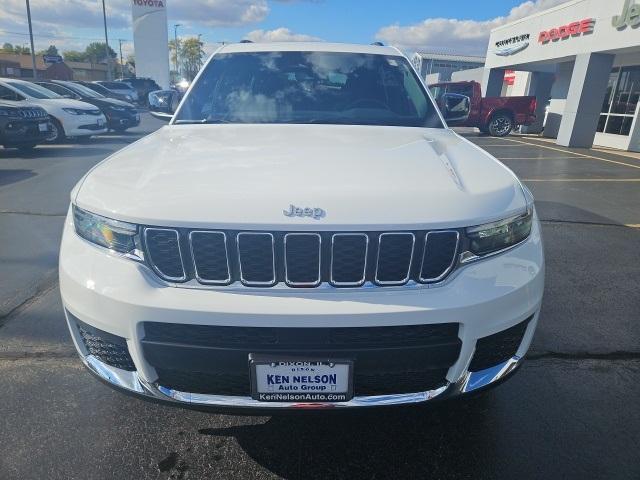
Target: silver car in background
<point x="121" y="88"/>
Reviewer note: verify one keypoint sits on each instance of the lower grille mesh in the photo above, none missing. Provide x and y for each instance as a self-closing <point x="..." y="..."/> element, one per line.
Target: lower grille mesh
<point x="106" y="347"/>
<point x="214" y="359"/>
<point x="498" y="348"/>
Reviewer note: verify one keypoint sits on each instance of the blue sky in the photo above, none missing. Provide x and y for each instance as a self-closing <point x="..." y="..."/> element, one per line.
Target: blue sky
<point x="457" y="26"/>
<point x="360" y="19"/>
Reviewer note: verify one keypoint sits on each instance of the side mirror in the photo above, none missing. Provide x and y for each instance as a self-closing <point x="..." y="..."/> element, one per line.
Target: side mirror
<point x="455" y="107"/>
<point x="163" y="103"/>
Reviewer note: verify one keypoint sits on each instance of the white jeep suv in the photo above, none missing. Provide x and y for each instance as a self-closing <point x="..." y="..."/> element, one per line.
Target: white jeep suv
<point x="307" y="232"/>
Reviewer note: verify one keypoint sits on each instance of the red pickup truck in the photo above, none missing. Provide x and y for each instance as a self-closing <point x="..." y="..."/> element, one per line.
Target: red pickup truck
<point x="497" y="116"/>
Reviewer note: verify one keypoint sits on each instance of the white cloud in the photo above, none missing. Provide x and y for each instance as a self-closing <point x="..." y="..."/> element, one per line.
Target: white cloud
<point x="281" y="34"/>
<point x="54" y="16"/>
<point x="454" y="35"/>
<point x="58" y="14"/>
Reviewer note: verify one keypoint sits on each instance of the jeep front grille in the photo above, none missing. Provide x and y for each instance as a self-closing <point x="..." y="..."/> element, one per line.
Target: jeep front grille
<point x="301" y="259"/>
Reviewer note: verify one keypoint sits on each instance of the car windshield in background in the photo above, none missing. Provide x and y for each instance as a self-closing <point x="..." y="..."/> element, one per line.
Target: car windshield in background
<point x="96" y="87"/>
<point x="309" y="87"/>
<point x="116" y="86"/>
<point x="82" y="90"/>
<point x="33" y="90"/>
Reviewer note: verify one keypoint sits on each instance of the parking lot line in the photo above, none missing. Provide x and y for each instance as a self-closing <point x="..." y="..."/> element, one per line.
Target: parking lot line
<point x="574" y="153"/>
<point x="497" y="145"/>
<point x="533" y="158"/>
<point x="580" y="179"/>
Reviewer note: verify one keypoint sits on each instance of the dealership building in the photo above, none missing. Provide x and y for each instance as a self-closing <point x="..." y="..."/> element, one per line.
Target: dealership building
<point x="584" y="62"/>
<point x="439" y="67"/>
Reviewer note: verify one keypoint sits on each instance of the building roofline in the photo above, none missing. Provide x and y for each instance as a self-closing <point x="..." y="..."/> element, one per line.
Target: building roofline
<point x="453" y="56"/>
<point x="538" y="14"/>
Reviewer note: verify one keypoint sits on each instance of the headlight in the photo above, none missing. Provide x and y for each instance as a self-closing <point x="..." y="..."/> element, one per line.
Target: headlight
<point x="8" y="112"/>
<point x="112" y="234"/>
<point x="496" y="236"/>
<point x="75" y="111"/>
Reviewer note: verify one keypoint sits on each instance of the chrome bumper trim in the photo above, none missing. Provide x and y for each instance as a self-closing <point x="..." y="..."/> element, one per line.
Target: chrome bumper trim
<point x="132" y="382"/>
<point x="476" y="380"/>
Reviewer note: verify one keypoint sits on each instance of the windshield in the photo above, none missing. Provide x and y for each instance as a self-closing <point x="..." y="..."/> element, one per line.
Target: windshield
<point x="33" y="90"/>
<point x="82" y="90"/>
<point x="116" y="85"/>
<point x="309" y="87"/>
<point x="96" y="87"/>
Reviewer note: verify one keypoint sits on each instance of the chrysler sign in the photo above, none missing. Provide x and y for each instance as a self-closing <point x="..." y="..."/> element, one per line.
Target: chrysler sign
<point x="512" y="45"/>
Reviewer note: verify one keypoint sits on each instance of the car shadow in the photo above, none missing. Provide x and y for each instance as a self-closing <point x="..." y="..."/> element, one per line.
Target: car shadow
<point x="394" y="443"/>
<point x="9" y="176"/>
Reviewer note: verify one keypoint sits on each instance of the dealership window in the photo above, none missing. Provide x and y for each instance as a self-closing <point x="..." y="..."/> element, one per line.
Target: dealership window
<point x="621" y="100"/>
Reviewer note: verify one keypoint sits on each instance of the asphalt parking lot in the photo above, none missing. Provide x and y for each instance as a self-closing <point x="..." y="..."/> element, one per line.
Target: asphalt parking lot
<point x="570" y="412"/>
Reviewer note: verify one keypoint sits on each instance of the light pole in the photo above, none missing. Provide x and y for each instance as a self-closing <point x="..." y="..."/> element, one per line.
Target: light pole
<point x="120" y="40"/>
<point x="33" y="52"/>
<point x="175" y="45"/>
<point x="106" y="41"/>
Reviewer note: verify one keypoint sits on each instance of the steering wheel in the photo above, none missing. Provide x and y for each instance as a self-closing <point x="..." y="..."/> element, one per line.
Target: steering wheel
<point x="369" y="101"/>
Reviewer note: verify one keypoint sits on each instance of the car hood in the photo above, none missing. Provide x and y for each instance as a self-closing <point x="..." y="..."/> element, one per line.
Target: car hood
<point x="107" y="102"/>
<point x="244" y="176"/>
<point x="62" y="103"/>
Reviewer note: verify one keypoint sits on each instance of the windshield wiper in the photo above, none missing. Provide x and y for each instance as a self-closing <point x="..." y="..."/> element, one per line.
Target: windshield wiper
<point x="201" y="122"/>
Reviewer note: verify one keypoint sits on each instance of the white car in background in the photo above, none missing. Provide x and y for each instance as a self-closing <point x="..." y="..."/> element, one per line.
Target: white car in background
<point x="307" y="232"/>
<point x="69" y="118"/>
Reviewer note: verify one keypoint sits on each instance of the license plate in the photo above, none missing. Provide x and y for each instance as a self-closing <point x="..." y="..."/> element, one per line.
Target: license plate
<point x="43" y="127"/>
<point x="300" y="379"/>
<point x="100" y="122"/>
<point x="137" y="117"/>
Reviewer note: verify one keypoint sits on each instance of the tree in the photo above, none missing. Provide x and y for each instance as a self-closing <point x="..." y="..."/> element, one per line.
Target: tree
<point x="95" y="53"/>
<point x="51" y="50"/>
<point x="9" y="48"/>
<point x="74" y="56"/>
<point x="191" y="56"/>
<point x="172" y="55"/>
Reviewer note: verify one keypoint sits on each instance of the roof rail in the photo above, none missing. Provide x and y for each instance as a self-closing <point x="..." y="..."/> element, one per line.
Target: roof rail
<point x="378" y="44"/>
<point x="246" y="41"/>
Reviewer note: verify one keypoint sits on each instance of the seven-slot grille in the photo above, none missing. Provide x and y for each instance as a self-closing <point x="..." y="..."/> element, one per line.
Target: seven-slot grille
<point x="32" y="112"/>
<point x="301" y="259"/>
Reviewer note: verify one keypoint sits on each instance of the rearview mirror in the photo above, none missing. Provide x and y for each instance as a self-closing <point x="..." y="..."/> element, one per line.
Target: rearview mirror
<point x="455" y="107"/>
<point x="163" y="103"/>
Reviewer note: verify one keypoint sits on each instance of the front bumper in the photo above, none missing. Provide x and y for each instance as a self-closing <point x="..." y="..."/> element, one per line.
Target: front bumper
<point x="120" y="120"/>
<point x="83" y="125"/>
<point x="117" y="295"/>
<point x="132" y="382"/>
<point x="20" y="132"/>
